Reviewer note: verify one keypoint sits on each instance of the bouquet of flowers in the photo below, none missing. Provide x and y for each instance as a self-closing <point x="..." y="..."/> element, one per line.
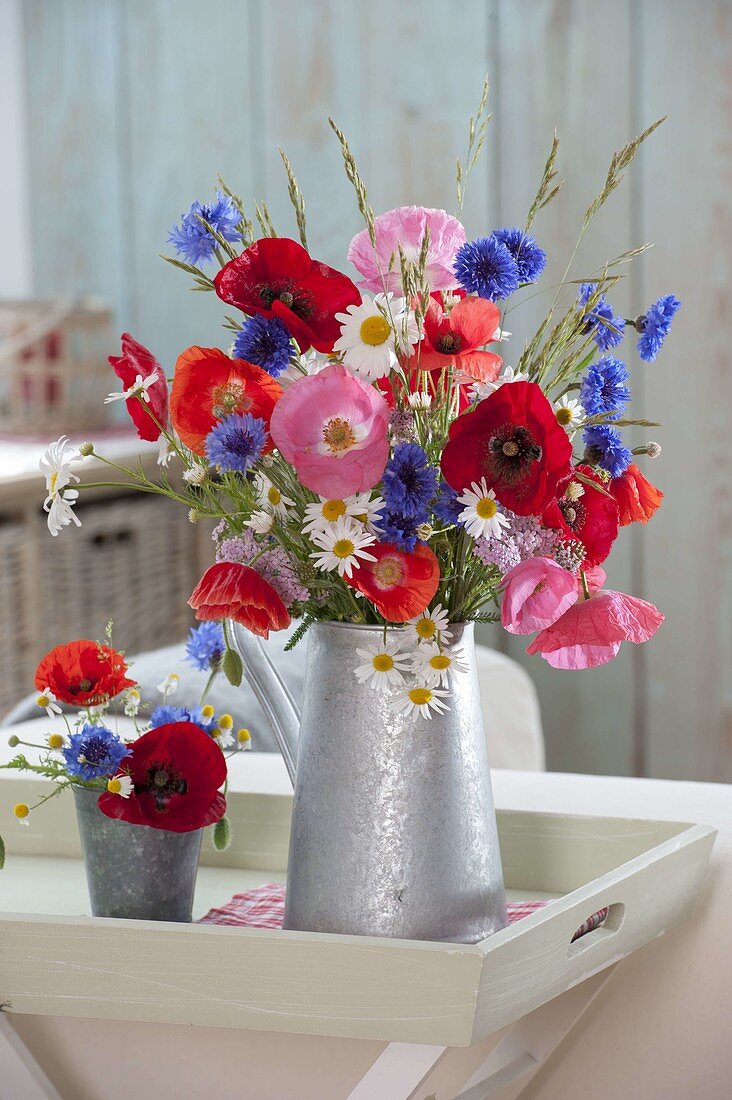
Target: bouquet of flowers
<point x="368" y="456"/>
<point x="166" y="771"/>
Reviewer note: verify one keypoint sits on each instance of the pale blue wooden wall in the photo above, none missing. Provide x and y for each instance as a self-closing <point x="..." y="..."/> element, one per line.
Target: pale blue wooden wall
<point x="134" y="105"/>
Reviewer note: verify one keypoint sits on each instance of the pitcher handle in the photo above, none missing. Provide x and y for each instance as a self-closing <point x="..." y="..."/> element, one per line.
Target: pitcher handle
<point x="271" y="693"/>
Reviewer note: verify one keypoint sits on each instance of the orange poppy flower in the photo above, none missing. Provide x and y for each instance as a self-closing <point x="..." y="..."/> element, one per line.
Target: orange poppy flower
<point x="83" y="673"/>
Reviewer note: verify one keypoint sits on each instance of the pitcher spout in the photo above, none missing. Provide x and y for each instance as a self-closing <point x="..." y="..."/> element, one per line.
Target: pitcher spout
<point x="272" y="694"/>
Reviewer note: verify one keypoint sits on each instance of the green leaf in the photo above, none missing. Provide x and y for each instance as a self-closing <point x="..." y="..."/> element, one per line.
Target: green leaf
<point x="222" y="834"/>
<point x="232" y="667"/>
<point x="2" y="853"/>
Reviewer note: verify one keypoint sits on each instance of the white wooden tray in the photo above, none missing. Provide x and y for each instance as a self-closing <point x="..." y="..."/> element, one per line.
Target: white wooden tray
<point x="56" y="960"/>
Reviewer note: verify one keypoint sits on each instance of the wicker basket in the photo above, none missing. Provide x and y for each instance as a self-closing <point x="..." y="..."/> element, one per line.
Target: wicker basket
<point x="54" y="372"/>
<point x="16" y="641"/>
<point x="132" y="561"/>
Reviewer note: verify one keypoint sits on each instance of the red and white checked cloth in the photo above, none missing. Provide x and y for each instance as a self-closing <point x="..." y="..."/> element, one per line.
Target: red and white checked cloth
<point x="264" y="907"/>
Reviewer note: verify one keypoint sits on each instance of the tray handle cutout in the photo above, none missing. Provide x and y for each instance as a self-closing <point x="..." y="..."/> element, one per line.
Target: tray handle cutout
<point x="599" y="926"/>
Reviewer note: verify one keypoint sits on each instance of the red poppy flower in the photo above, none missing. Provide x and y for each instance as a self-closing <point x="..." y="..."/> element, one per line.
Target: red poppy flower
<point x="454" y="338"/>
<point x="136" y="360"/>
<point x="276" y="277"/>
<point x="399" y="584"/>
<point x="208" y="385"/>
<point x="176" y="771"/>
<point x="230" y="590"/>
<point x="513" y="440"/>
<point x="586" y="514"/>
<point x="83" y="673"/>
<point x="637" y="498"/>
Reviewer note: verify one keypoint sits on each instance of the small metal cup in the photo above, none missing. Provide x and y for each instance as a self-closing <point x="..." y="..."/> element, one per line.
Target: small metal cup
<point x="135" y="871"/>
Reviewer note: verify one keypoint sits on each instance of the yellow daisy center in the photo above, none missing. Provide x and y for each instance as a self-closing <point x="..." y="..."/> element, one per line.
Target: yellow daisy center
<point x="243" y="736"/>
<point x="486" y="508"/>
<point x="333" y="509"/>
<point x="43" y="701"/>
<point x="420" y="696"/>
<point x="426" y="628"/>
<point x="226" y="722"/>
<point x="338" y="434"/>
<point x="55" y="741"/>
<point x="343" y="548"/>
<point x="382" y="662"/>
<point x="21" y="810"/>
<point x="440" y="662"/>
<point x="274" y="496"/>
<point x="114" y="786"/>
<point x="564" y="416"/>
<point x="207" y="712"/>
<point x="375" y="330"/>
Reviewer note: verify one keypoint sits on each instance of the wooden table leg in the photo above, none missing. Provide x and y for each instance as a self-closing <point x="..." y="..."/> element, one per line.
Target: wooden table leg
<point x="397" y="1072"/>
<point x="21" y="1078"/>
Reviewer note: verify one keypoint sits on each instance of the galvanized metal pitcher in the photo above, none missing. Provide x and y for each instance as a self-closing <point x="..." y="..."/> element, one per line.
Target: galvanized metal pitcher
<point x="393" y="825"/>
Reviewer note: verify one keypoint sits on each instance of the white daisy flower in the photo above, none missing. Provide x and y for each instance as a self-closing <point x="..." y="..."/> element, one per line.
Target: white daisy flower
<point x="55" y="465"/>
<point x="138" y="388"/>
<point x="420" y="400"/>
<point x="320" y="515"/>
<point x="166" y="452"/>
<point x="570" y="413"/>
<point x="261" y="521"/>
<point x="223" y="736"/>
<point x="384" y="663"/>
<point x="132" y="702"/>
<point x="421" y="700"/>
<point x="271" y="497"/>
<point x="310" y="363"/>
<point x="370" y="333"/>
<point x="480" y="514"/>
<point x="121" y="785"/>
<point x="47" y="701"/>
<point x="169" y="685"/>
<point x="430" y="626"/>
<point x="343" y="546"/>
<point x="433" y="666"/>
<point x="480" y="390"/>
<point x="195" y="474"/>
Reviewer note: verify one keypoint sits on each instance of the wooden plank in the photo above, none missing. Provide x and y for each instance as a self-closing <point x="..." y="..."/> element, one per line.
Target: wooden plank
<point x="552" y="71"/>
<point x="189" y="108"/>
<point x="74" y="145"/>
<point x="686" y="177"/>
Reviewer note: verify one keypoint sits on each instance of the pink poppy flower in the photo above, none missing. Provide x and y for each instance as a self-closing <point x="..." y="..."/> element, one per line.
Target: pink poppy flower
<point x="332" y="428"/>
<point x="536" y="593"/>
<point x="591" y="631"/>
<point x="406" y="226"/>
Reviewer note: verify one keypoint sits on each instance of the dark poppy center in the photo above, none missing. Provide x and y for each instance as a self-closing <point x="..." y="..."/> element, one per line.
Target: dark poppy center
<point x="286" y="291"/>
<point x="574" y="513"/>
<point x="162" y="782"/>
<point x="512" y="451"/>
<point x="81" y="686"/>
<point x="449" y="344"/>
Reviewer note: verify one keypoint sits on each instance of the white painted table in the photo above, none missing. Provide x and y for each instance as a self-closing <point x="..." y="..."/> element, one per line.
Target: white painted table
<point x="657" y="1028"/>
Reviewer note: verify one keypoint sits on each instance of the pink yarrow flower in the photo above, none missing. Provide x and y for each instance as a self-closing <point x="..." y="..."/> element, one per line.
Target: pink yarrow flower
<point x="536" y="593"/>
<point x="332" y="428"/>
<point x="406" y="226"/>
<point x="591" y="632"/>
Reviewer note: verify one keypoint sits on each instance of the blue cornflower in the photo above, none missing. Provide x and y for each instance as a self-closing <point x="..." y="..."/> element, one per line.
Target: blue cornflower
<point x="530" y="259"/>
<point x="603" y="388"/>
<point x="236" y="442"/>
<point x="653" y="326"/>
<point x="94" y="752"/>
<point x="266" y="342"/>
<point x="205" y="646"/>
<point x="193" y="241"/>
<point x="487" y="268"/>
<point x="605" y="448"/>
<point x="409" y="482"/>
<point x="447" y="507"/>
<point x="398" y="528"/>
<point x="163" y="716"/>
<point x="607" y="329"/>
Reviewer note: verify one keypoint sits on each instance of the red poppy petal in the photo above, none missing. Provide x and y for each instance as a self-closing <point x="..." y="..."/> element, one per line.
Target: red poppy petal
<point x="399" y="584"/>
<point x="229" y="590"/>
<point x="475" y="320"/>
<point x="484" y="366"/>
